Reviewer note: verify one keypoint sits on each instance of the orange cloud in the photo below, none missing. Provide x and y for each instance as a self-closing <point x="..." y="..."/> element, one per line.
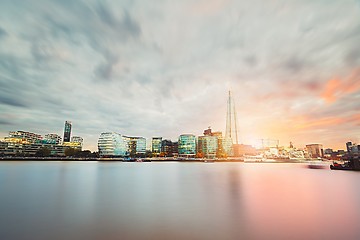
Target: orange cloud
<point x="323" y="122"/>
<point x="336" y="88"/>
<point x="331" y="88"/>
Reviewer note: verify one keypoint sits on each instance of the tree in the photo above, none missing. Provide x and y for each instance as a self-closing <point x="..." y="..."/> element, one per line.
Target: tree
<point x="199" y="155"/>
<point x="69" y="152"/>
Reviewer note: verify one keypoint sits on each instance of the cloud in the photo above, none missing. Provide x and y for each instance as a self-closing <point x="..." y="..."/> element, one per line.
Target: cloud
<point x="336" y="88"/>
<point x="148" y="69"/>
<point x="3" y="33"/>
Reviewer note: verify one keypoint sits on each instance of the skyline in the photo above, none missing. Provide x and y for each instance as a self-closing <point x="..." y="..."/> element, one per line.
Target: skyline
<point x="164" y="69"/>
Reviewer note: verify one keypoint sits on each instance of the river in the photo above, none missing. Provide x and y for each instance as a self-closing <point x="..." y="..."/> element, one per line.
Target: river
<point x="176" y="200"/>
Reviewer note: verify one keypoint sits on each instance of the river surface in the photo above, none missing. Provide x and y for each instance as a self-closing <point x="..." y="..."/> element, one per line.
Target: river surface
<point x="175" y="200"/>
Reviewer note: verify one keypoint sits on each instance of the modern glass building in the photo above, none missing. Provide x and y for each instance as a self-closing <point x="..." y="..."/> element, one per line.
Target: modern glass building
<point x="111" y="144"/>
<point x="136" y="145"/>
<point x="53" y="136"/>
<point x="156" y="145"/>
<point x="187" y="145"/>
<point x="208" y="146"/>
<point x="67" y="131"/>
<point x="140" y="145"/>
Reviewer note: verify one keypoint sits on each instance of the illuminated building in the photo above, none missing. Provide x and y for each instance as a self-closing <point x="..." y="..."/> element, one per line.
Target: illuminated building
<point x="315" y="150"/>
<point x="156" y="145"/>
<point x="220" y="139"/>
<point x="53" y="136"/>
<point x="23" y="136"/>
<point x="112" y="144"/>
<point x="208" y="146"/>
<point x="75" y="145"/>
<point x="67" y="131"/>
<point x="136" y="145"/>
<point x="187" y="145"/>
<point x="77" y="139"/>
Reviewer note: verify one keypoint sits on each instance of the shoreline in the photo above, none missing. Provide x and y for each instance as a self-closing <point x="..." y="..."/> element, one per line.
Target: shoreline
<point x="40" y="159"/>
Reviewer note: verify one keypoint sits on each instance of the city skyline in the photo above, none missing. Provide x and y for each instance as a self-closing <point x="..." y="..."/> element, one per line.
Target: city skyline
<point x="145" y="69"/>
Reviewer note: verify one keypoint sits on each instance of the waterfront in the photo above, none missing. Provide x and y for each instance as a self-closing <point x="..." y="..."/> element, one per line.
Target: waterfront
<point x="176" y="200"/>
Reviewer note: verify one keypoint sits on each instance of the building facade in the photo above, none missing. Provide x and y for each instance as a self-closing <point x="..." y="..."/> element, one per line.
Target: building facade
<point x="136" y="146"/>
<point x="111" y="144"/>
<point x="208" y="146"/>
<point x="77" y="139"/>
<point x="187" y="145"/>
<point x="23" y="136"/>
<point x="67" y="131"/>
<point x="53" y="136"/>
<point x="315" y="150"/>
<point x="156" y="145"/>
<point x="169" y="148"/>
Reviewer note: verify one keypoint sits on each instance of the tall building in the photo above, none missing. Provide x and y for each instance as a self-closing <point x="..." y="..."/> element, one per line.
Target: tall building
<point x="67" y="131"/>
<point x="231" y="133"/>
<point x="156" y="145"/>
<point x="53" y="136"/>
<point x="112" y="144"/>
<point x="187" y="145"/>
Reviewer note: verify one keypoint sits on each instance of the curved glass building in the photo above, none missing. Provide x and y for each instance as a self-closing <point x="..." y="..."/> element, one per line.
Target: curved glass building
<point x="187" y="145"/>
<point x="112" y="144"/>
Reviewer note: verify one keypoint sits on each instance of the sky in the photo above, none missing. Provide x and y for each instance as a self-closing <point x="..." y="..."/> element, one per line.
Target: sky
<point x="164" y="68"/>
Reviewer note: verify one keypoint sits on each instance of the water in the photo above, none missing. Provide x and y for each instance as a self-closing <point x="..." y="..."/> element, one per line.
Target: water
<point x="115" y="200"/>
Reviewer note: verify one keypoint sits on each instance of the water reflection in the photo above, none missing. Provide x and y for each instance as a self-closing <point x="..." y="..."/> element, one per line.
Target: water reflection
<point x="89" y="200"/>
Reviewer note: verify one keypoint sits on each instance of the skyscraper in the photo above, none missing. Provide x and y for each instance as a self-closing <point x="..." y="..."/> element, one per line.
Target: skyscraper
<point x="231" y="132"/>
<point x="67" y="131"/>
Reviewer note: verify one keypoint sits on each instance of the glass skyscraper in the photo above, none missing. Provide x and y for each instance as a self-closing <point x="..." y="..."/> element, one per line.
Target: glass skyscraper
<point x="67" y="131"/>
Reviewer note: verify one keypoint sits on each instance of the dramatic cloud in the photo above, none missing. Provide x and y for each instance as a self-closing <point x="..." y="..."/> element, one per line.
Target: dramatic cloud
<point x="163" y="68"/>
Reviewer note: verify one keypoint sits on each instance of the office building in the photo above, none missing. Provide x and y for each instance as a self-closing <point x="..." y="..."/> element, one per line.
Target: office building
<point x="54" y="137"/>
<point x="156" y="145"/>
<point x="136" y="145"/>
<point x="169" y="148"/>
<point x="111" y="144"/>
<point x="23" y="136"/>
<point x="187" y="145"/>
<point x="208" y="146"/>
<point x="67" y="131"/>
<point x="77" y="139"/>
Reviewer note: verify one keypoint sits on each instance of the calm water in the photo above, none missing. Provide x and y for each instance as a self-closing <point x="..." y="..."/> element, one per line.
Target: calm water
<point x="91" y="200"/>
